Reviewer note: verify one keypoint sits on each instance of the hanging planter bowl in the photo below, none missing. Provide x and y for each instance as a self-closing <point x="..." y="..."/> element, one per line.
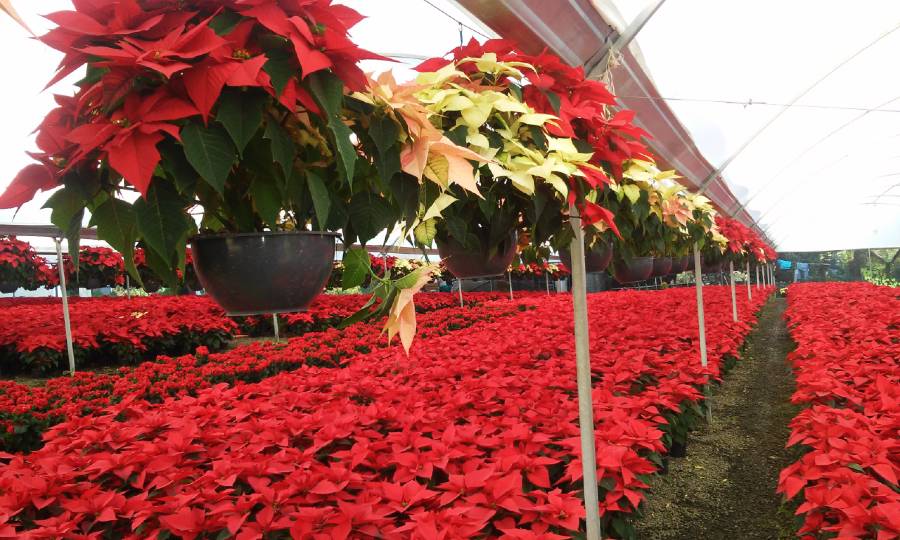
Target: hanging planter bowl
<point x="465" y="263"/>
<point x="595" y="260"/>
<point x="679" y="264"/>
<point x="636" y="269"/>
<point x="267" y="272"/>
<point x="662" y="266"/>
<point x="711" y="267"/>
<point x="93" y="282"/>
<point x="8" y="286"/>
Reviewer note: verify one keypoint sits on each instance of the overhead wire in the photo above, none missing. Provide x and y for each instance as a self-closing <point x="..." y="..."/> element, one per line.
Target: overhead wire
<point x="459" y="22"/>
<point x="750" y="102"/>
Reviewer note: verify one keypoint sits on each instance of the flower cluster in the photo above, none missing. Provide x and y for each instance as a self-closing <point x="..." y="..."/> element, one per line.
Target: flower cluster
<point x="21" y="267"/>
<point x="472" y="434"/>
<point x="97" y="267"/>
<point x="742" y="239"/>
<point x="107" y="330"/>
<point x="847" y="363"/>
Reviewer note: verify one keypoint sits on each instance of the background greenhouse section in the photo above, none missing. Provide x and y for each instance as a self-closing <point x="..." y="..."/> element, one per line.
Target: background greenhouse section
<point x="796" y="140"/>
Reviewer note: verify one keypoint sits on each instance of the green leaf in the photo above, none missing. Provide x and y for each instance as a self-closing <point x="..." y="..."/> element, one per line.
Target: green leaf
<point x="241" y="114"/>
<point x="68" y="212"/>
<point x="356" y="267"/>
<point x="409" y="279"/>
<point x="223" y="23"/>
<point x="266" y="198"/>
<point x="384" y="132"/>
<point x="161" y="267"/>
<point x="116" y="224"/>
<point x="283" y="150"/>
<point x="364" y="312"/>
<point x="369" y="214"/>
<point x="425" y="232"/>
<point x="162" y="221"/>
<point x="320" y="196"/>
<point x="553" y="99"/>
<point x="209" y="150"/>
<point x="280" y="66"/>
<point x="177" y="168"/>
<point x="328" y="91"/>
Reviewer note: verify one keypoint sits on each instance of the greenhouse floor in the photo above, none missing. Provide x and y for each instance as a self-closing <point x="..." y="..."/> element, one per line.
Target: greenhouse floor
<point x="725" y="487"/>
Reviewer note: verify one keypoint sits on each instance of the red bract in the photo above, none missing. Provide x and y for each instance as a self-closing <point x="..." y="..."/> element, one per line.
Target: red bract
<point x="20" y="266"/>
<point x="846" y="363"/>
<point x="473" y="434"/>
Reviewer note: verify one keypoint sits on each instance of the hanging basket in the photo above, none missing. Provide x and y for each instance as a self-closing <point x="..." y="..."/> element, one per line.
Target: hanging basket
<point x="267" y="272"/>
<point x="8" y="286"/>
<point x="662" y="266"/>
<point x="631" y="270"/>
<point x="679" y="264"/>
<point x="465" y="263"/>
<point x="595" y="260"/>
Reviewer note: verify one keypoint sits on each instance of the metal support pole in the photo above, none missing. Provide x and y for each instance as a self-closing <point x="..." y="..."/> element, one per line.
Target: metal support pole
<point x="698" y="282"/>
<point x="734" y="314"/>
<point x="128" y="286"/>
<point x="509" y="275"/>
<point x="756" y="267"/>
<point x="459" y="283"/>
<point x="547" y="279"/>
<point x="65" y="305"/>
<point x="583" y="371"/>
<point x="763" y="273"/>
<point x="749" y="290"/>
<point x="275" y="325"/>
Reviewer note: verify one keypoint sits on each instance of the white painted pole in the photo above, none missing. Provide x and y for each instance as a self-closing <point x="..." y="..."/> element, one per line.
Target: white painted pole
<point x="583" y="373"/>
<point x="749" y="289"/>
<point x="763" y="274"/>
<point x="509" y="275"/>
<point x="698" y="279"/>
<point x="275" y="326"/>
<point x="128" y="286"/>
<point x="756" y="267"/>
<point x="459" y="283"/>
<point x="547" y="279"/>
<point x="65" y="305"/>
<point x="734" y="313"/>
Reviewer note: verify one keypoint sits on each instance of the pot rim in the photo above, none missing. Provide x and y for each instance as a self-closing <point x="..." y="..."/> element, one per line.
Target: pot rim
<point x="263" y="233"/>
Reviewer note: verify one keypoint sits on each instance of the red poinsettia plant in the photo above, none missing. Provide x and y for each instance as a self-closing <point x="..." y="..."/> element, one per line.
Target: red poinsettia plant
<point x="234" y="107"/>
<point x="21" y="267"/>
<point x="97" y="267"/>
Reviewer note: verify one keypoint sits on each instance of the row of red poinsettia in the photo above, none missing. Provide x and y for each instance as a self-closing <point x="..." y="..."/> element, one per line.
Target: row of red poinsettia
<point x="473" y="434"/>
<point x="847" y="364"/>
<point x="115" y="331"/>
<point x="26" y="411"/>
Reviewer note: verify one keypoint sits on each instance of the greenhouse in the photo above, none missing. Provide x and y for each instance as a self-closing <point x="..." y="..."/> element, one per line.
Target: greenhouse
<point x="445" y="269"/>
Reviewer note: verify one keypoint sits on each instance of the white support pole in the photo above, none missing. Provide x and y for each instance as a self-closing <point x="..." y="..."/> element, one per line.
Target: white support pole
<point x="756" y="267"/>
<point x="509" y="275"/>
<point x="547" y="279"/>
<point x="698" y="279"/>
<point x="583" y="374"/>
<point x="749" y="290"/>
<point x="459" y="284"/>
<point x="275" y="326"/>
<point x="65" y="305"/>
<point x="763" y="273"/>
<point x="734" y="313"/>
<point x="128" y="286"/>
<point x="772" y="273"/>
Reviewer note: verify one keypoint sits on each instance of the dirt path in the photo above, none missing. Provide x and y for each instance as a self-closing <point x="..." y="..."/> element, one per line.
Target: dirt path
<point x="725" y="487"/>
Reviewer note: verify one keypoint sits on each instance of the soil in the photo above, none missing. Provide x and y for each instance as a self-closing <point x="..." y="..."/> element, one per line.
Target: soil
<point x="725" y="487"/>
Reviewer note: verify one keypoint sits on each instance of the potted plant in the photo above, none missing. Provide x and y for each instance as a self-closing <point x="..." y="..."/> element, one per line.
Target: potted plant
<point x="230" y="121"/>
<point x="97" y="267"/>
<point x="20" y="266"/>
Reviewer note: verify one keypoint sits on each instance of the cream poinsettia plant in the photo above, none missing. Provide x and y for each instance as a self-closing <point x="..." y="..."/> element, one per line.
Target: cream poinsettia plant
<point x="481" y="155"/>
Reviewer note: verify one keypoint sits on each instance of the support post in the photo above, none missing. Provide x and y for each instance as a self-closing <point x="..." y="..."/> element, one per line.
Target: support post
<point x="65" y="305"/>
<point x="698" y="283"/>
<point x="459" y="284"/>
<point x="583" y="374"/>
<point x="547" y="279"/>
<point x="749" y="290"/>
<point x="509" y="275"/>
<point x="763" y="273"/>
<point x="756" y="267"/>
<point x="128" y="286"/>
<point x="734" y="313"/>
<point x="275" y="326"/>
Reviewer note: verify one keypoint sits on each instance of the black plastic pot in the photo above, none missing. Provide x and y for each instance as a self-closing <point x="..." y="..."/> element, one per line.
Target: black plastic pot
<point x="8" y="286"/>
<point x="711" y="267"/>
<point x="465" y="263"/>
<point x="636" y="269"/>
<point x="661" y="266"/>
<point x="267" y="272"/>
<point x="595" y="260"/>
<point x="93" y="282"/>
